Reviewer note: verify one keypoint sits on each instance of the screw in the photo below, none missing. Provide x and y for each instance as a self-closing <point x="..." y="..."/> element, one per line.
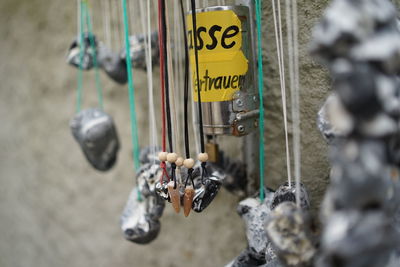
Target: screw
<point x="239" y="102"/>
<point x="241" y="128"/>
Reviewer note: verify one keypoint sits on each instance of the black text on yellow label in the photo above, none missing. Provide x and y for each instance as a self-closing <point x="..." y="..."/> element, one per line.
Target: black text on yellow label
<point x="222" y="64"/>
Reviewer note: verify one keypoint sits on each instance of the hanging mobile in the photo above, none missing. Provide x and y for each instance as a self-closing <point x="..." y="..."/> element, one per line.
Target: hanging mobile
<point x="140" y="219"/>
<point x="93" y="129"/>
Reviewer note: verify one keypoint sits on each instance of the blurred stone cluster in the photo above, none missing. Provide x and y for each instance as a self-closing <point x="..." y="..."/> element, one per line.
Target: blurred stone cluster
<point x="359" y="42"/>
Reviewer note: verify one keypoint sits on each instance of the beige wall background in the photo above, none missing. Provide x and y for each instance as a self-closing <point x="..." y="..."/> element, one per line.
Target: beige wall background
<point x="56" y="211"/>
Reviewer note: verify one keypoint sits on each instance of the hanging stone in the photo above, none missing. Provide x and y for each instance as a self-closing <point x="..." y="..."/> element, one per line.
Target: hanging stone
<point x="354" y="238"/>
<point x="205" y="193"/>
<point x="95" y="132"/>
<point x="288" y="193"/>
<point x="138" y="50"/>
<point x="288" y="229"/>
<point x="146" y="179"/>
<point x="162" y="190"/>
<point x="136" y="224"/>
<point x="74" y="53"/>
<point x="255" y="215"/>
<point x="112" y="64"/>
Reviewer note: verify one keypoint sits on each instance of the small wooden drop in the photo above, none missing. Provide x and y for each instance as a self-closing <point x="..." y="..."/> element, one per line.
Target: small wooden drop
<point x="188" y="200"/>
<point x="175" y="196"/>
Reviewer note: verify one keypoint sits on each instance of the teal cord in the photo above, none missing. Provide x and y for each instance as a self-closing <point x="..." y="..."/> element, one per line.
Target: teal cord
<point x="95" y="63"/>
<point x="260" y="94"/>
<point x="81" y="51"/>
<point x="134" y="129"/>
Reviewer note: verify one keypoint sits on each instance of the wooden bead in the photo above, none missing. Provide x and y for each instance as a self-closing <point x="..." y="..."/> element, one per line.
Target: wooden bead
<point x="172" y="157"/>
<point x="179" y="162"/>
<point x="203" y="157"/>
<point x="188" y="163"/>
<point x="162" y="156"/>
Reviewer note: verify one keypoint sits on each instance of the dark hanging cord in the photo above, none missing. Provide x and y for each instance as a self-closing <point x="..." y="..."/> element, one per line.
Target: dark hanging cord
<point x="186" y="95"/>
<point x="186" y="85"/>
<point x="166" y="82"/>
<point x="163" y="110"/>
<point x="196" y="56"/>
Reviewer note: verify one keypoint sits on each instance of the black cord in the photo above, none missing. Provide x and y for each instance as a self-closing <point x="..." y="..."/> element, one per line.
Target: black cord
<point x="167" y="100"/>
<point x="196" y="56"/>
<point x="166" y="81"/>
<point x="186" y="85"/>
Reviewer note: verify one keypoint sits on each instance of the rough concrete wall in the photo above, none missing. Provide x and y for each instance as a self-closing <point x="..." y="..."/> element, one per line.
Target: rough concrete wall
<point x="314" y="82"/>
<point x="56" y="211"/>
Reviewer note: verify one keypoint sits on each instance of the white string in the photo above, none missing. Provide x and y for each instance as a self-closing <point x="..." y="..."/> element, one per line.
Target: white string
<point x="79" y="21"/>
<point x="146" y="29"/>
<point x="176" y="134"/>
<point x="106" y="22"/>
<point x="296" y="106"/>
<point x="119" y="13"/>
<point x="281" y="65"/>
<point x="293" y="49"/>
<point x="115" y="21"/>
<point x="178" y="71"/>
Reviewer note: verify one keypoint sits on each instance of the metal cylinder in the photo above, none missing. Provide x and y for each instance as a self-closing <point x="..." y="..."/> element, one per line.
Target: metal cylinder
<point x="226" y="70"/>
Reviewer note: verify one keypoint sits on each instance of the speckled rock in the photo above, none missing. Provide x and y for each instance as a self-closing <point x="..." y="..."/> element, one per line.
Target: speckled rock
<point x="112" y="64"/>
<point x="358" y="239"/>
<point x="96" y="134"/>
<point x="288" y="229"/>
<point x="288" y="193"/>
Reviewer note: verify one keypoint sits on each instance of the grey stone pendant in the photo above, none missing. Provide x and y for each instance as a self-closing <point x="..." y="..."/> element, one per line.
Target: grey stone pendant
<point x="255" y="215"/>
<point x="288" y="193"/>
<point x="140" y="218"/>
<point x="112" y="64"/>
<point x="74" y="53"/>
<point x="205" y="193"/>
<point x="136" y="222"/>
<point x="138" y="50"/>
<point x="95" y="132"/>
<point x="289" y="232"/>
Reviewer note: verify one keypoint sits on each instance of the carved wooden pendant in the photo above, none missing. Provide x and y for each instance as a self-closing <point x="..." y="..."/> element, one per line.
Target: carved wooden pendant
<point x="188" y="200"/>
<point x="175" y="196"/>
